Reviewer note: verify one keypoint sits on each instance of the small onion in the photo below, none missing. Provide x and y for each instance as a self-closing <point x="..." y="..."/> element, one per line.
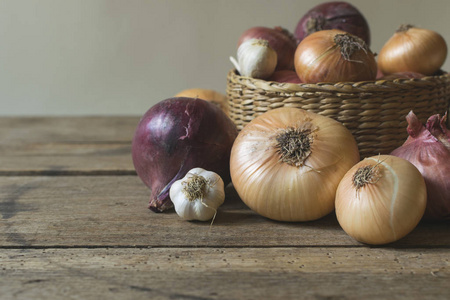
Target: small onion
<point x="402" y="75"/>
<point x="379" y="74"/>
<point x="428" y="148"/>
<point x="333" y="15"/>
<point x="413" y="49"/>
<point x="287" y="163"/>
<point x="213" y="96"/>
<point x="175" y="136"/>
<point x="381" y="199"/>
<point x="334" y="56"/>
<point x="281" y="40"/>
<point x="285" y="76"/>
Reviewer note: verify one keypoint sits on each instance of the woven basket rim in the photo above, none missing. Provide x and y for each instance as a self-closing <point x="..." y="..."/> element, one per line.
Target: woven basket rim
<point x="341" y="87"/>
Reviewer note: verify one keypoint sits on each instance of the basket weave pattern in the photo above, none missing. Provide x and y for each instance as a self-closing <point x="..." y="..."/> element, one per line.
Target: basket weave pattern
<point x="374" y="111"/>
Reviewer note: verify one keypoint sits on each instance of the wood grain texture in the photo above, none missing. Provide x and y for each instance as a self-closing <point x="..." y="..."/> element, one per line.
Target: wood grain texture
<point x="74" y="224"/>
<point x="66" y="146"/>
<point x="111" y="211"/>
<point x="218" y="273"/>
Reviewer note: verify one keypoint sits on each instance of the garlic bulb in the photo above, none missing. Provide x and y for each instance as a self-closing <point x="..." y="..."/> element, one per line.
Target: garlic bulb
<point x="256" y="59"/>
<point x="198" y="195"/>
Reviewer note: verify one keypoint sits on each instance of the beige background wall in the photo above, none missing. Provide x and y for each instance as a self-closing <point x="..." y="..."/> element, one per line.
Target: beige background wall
<point x="109" y="57"/>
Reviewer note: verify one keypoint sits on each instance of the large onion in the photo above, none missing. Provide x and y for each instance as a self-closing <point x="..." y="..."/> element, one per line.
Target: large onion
<point x="333" y="15"/>
<point x="286" y="164"/>
<point x="175" y="136"/>
<point x="334" y="56"/>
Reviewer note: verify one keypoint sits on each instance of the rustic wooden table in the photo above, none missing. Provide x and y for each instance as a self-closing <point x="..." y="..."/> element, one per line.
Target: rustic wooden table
<point x="74" y="225"/>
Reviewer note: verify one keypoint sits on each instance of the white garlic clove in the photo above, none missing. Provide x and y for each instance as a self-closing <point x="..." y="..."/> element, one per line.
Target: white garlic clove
<point x="198" y="195"/>
<point x="256" y="59"/>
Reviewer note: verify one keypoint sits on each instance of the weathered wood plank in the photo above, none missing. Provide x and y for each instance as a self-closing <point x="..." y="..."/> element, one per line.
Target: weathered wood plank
<point x="225" y="273"/>
<point x="111" y="211"/>
<point x="66" y="145"/>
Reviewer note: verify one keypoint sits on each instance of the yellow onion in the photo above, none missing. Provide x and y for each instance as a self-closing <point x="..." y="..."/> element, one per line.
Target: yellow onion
<point x="213" y="96"/>
<point x="334" y="56"/>
<point x="381" y="199"/>
<point x="413" y="49"/>
<point x="286" y="164"/>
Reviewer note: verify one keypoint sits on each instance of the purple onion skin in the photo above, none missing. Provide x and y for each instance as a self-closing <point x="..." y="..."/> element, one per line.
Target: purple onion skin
<point x="285" y="76"/>
<point x="402" y="75"/>
<point x="428" y="148"/>
<point x="175" y="136"/>
<point x="333" y="15"/>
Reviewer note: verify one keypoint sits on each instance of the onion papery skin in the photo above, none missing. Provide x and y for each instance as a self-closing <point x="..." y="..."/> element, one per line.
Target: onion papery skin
<point x="413" y="50"/>
<point x="175" y="136"/>
<point x="278" y="190"/>
<point x="279" y="40"/>
<point x="431" y="157"/>
<point x="319" y="59"/>
<point x="285" y="76"/>
<point x="385" y="210"/>
<point x="333" y="15"/>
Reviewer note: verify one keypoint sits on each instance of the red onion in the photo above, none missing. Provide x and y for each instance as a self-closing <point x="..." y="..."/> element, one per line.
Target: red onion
<point x="379" y="74"/>
<point x="333" y="15"/>
<point x="403" y="75"/>
<point x="428" y="148"/>
<point x="280" y="40"/>
<point x="175" y="136"/>
<point x="285" y="76"/>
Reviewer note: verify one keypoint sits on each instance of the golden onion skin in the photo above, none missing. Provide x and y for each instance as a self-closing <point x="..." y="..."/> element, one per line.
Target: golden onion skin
<point x="385" y="210"/>
<point x="318" y="58"/>
<point x="413" y="49"/>
<point x="278" y="190"/>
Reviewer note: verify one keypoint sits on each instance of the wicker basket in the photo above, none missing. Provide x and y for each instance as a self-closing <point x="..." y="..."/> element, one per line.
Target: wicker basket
<point x="374" y="111"/>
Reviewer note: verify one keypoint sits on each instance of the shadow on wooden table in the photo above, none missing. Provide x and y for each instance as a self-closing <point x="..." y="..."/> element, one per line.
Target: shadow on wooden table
<point x="234" y="212"/>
